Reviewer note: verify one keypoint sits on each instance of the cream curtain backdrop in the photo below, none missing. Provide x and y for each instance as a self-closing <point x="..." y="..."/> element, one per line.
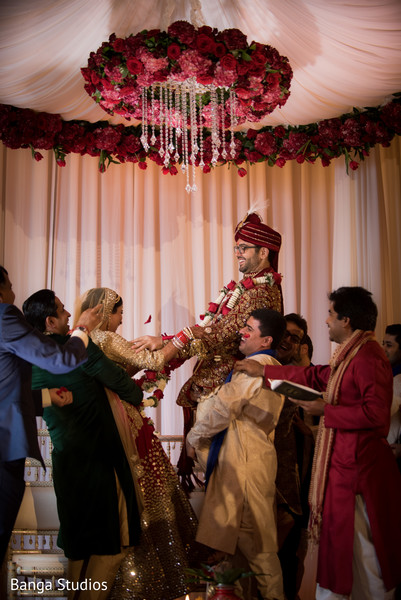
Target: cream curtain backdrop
<point x="168" y="253"/>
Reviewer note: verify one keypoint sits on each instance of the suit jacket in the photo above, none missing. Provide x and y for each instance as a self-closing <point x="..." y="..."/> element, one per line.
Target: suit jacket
<point x="88" y="455"/>
<point x="20" y="347"/>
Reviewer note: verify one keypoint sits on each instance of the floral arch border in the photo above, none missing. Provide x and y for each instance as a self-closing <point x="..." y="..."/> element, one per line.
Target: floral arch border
<point x="351" y="135"/>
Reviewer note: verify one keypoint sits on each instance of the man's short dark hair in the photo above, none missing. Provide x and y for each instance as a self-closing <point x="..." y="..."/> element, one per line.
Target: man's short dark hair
<point x="271" y="323"/>
<point x="299" y="322"/>
<point x="308" y="342"/>
<point x="3" y="274"/>
<point x="395" y="330"/>
<point x="357" y="304"/>
<point x="38" y="307"/>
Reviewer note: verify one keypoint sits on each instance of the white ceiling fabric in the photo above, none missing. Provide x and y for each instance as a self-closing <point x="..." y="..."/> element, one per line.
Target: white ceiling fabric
<point x="343" y="54"/>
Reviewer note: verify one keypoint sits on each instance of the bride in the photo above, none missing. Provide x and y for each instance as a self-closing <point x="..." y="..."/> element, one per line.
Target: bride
<point x="155" y="568"/>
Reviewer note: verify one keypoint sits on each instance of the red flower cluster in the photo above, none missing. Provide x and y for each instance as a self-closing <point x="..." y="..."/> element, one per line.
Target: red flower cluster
<point x="121" y="68"/>
<point x="354" y="133"/>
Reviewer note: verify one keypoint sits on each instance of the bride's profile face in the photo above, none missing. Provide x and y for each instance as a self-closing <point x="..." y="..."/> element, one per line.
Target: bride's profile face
<point x="115" y="320"/>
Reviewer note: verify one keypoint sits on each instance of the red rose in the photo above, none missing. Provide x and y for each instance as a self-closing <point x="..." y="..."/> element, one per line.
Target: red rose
<point x="150" y="375"/>
<point x="248" y="283"/>
<point x="251" y="133"/>
<point x="142" y="165"/>
<point x="204" y="44"/>
<point x="220" y="50"/>
<point x="134" y="66"/>
<point x="231" y="285"/>
<point x="280" y="162"/>
<point x="182" y="30"/>
<point x="280" y="131"/>
<point x="119" y="45"/>
<point x="265" y="143"/>
<point x="37" y="156"/>
<point x="158" y="393"/>
<point x="228" y="62"/>
<point x="300" y="159"/>
<point x="173" y="51"/>
<point x="213" y="307"/>
<point x="325" y="161"/>
<point x="233" y="39"/>
<point x="242" y="172"/>
<point x="277" y="278"/>
<point x="60" y="162"/>
<point x="206" y="168"/>
<point x="353" y="165"/>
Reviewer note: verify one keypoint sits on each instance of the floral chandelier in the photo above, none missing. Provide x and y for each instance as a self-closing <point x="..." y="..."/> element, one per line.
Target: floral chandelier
<point x="183" y="81"/>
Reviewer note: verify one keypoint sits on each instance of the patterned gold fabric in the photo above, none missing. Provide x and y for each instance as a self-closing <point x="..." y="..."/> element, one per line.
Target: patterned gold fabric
<point x="221" y="349"/>
<point x="120" y="351"/>
<point x="155" y="568"/>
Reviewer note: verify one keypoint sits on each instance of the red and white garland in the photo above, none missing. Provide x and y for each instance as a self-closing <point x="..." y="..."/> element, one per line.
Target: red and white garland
<point x="230" y="295"/>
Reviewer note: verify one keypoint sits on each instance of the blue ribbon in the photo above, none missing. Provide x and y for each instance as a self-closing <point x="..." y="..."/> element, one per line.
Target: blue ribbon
<point x="218" y="439"/>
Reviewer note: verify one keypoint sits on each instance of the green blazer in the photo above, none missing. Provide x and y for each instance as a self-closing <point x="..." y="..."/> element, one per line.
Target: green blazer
<point x="88" y="454"/>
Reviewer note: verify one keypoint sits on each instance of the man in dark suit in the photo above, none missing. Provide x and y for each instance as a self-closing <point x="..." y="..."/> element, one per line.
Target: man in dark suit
<point x="20" y="347"/>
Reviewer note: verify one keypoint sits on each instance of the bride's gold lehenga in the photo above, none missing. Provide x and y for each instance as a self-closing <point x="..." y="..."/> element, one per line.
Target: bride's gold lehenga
<point x="154" y="570"/>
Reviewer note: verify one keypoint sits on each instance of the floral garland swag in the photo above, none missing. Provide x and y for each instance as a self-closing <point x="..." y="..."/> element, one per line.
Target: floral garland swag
<point x="351" y="135"/>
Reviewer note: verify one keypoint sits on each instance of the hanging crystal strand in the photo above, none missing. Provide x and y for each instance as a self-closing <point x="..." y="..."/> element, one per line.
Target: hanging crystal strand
<point x="161" y="151"/>
<point x="215" y="126"/>
<point x="171" y="146"/>
<point x="185" y="163"/>
<point x="200" y="108"/>
<point x="194" y="132"/>
<point x="144" y="136"/>
<point x="223" y="124"/>
<point x="178" y="129"/>
<point x="152" y="103"/>
<point x="167" y="121"/>
<point x="233" y="123"/>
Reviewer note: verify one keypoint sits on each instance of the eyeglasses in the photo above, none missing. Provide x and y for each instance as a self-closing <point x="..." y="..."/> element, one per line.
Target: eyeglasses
<point x="291" y="336"/>
<point x="242" y="248"/>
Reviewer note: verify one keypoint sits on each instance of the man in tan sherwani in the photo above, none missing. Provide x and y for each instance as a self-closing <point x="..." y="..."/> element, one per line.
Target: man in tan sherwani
<point x="238" y="512"/>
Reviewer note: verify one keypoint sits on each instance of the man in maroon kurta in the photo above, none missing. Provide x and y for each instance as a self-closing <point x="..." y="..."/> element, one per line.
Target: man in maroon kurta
<point x="359" y="549"/>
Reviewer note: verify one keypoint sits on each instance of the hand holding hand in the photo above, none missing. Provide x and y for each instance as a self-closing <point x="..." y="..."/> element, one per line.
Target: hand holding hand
<point x="147" y="342"/>
<point x="251" y="367"/>
<point x="60" y="396"/>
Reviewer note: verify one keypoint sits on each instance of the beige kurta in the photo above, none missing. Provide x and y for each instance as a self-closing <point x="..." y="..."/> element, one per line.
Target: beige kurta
<point x="247" y="463"/>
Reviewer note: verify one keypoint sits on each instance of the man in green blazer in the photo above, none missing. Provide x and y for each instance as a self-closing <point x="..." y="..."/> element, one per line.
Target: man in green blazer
<point x="95" y="492"/>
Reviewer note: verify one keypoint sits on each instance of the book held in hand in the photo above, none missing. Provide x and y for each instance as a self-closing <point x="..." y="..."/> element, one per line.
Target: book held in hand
<point x="294" y="390"/>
